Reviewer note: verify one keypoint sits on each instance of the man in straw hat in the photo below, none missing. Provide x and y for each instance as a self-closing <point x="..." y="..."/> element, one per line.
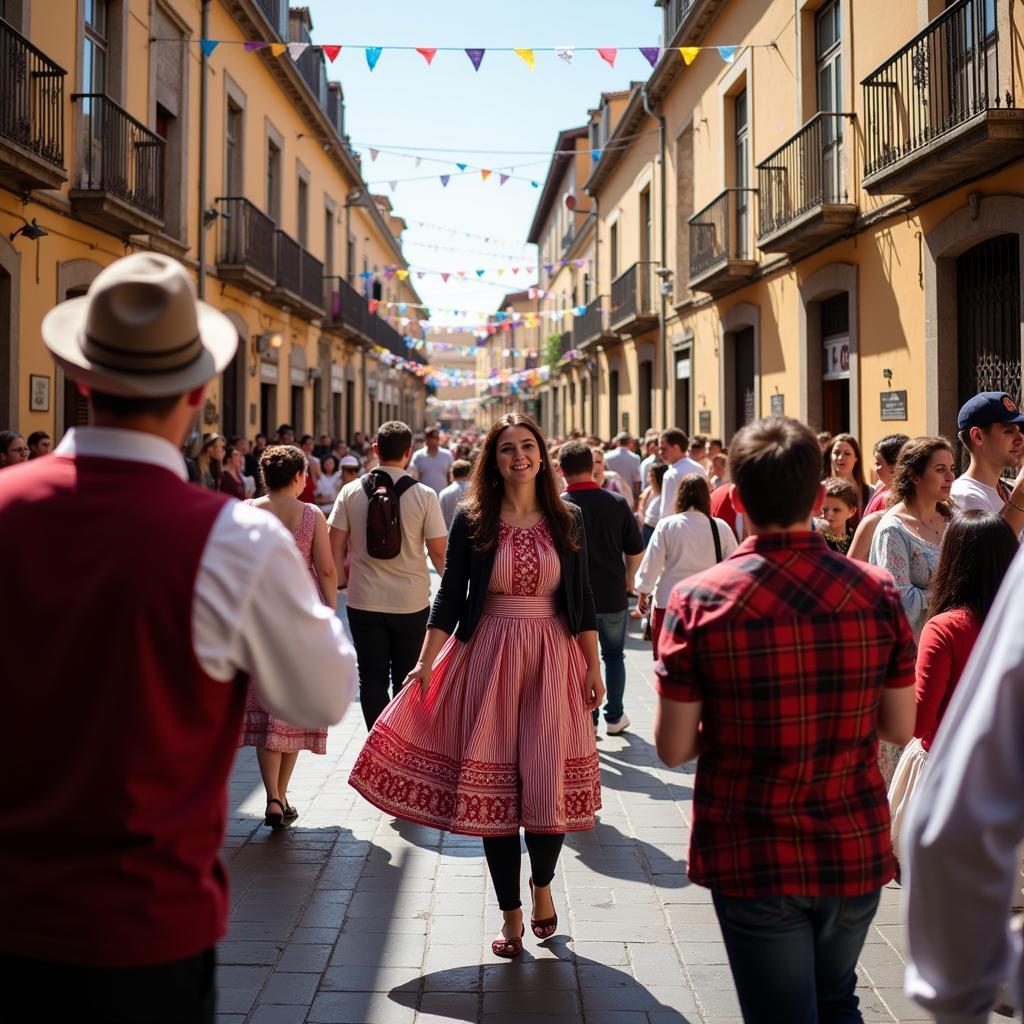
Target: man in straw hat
<point x="138" y="607"/>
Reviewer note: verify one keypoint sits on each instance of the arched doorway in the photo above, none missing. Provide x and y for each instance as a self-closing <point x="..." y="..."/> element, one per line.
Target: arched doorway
<point x="988" y="309"/>
<point x="232" y="381"/>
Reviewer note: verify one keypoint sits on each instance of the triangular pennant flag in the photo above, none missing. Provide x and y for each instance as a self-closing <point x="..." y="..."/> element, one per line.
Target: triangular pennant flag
<point x="580" y="263"/>
<point x="253" y="46"/>
<point x="427" y="52"/>
<point x="296" y="50"/>
<point x="480" y="273"/>
<point x="535" y="184"/>
<point x="501" y="270"/>
<point x="549" y="267"/>
<point x="403" y="306"/>
<point x="727" y="53"/>
<point x="394" y="185"/>
<point x="462" y="167"/>
<point x="485" y="174"/>
<point x="374" y="153"/>
<point x="503" y="178"/>
<point x="445" y="276"/>
<point x="462" y="274"/>
<point x="565" y="53"/>
<point x="595" y="155"/>
<point x="527" y="57"/>
<point x="331" y="51"/>
<point x="208" y="46"/>
<point x="373" y="55"/>
<point x="652" y="53"/>
<point x="689" y="54"/>
<point x="276" y="49"/>
<point x="402" y="275"/>
<point x="515" y="270"/>
<point x="420" y="274"/>
<point x="445" y="178"/>
<point x="476" y="56"/>
<point x="608" y="53"/>
<point x="373" y="305"/>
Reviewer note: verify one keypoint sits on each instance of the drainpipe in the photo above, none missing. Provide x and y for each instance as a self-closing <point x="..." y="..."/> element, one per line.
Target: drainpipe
<point x="662" y="292"/>
<point x="592" y="363"/>
<point x="201" y="242"/>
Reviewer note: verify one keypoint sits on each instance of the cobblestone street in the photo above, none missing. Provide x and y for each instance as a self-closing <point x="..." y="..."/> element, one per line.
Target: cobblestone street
<point x="350" y="916"/>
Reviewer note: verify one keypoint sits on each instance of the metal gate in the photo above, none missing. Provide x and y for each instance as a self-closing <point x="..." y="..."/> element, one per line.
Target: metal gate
<point x="988" y="318"/>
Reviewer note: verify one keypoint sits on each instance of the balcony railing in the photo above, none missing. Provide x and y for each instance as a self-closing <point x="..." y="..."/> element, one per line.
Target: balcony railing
<point x="805" y="174"/>
<point x="633" y="294"/>
<point x="592" y="324"/>
<point x="943" y="77"/>
<point x="31" y="98"/>
<point x="722" y="231"/>
<point x="565" y="343"/>
<point x="299" y="274"/>
<point x="121" y="156"/>
<point x="247" y="236"/>
<point x="311" y="285"/>
<point x="349" y="309"/>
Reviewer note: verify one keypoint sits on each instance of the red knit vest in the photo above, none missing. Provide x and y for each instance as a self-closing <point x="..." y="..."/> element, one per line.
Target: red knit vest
<point x="118" y="744"/>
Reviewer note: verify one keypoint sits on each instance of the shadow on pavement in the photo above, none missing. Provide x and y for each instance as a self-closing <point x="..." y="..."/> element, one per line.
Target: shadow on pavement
<point x="568" y="988"/>
<point x="622" y="770"/>
<point x="617" y="855"/>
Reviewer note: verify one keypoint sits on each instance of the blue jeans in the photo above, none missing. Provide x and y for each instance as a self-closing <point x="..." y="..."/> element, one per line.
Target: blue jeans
<point x="611" y="635"/>
<point x="794" y="958"/>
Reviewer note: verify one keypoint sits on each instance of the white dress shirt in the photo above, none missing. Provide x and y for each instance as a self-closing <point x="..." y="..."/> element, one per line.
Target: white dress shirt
<point x="624" y="462"/>
<point x="450" y="498"/>
<point x="681" y="545"/>
<point x="255" y="608"/>
<point x="670" y="482"/>
<point x="964" y="825"/>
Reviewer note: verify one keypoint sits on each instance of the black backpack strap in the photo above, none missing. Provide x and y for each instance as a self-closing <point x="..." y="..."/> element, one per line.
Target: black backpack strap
<point x="718" y="540"/>
<point x="403" y="485"/>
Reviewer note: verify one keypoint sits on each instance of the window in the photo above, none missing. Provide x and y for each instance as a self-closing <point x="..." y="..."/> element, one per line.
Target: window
<point x="94" y="52"/>
<point x="741" y="151"/>
<point x="328" y="242"/>
<point x="302" y="213"/>
<point x="233" y="151"/>
<point x="828" y="59"/>
<point x="613" y="249"/>
<point x="274" y="181"/>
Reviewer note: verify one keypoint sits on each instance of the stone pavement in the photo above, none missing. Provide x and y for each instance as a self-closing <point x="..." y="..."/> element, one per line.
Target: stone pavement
<point x="352" y="917"/>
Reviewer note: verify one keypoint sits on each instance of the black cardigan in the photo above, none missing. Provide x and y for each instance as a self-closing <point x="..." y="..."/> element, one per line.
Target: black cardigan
<point x="468" y="569"/>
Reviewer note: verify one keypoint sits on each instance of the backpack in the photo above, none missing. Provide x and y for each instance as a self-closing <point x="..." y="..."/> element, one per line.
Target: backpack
<point x="383" y="519"/>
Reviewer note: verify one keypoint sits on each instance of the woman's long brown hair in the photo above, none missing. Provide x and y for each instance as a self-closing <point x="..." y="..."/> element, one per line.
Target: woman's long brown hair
<point x="911" y="462"/>
<point x="482" y="503"/>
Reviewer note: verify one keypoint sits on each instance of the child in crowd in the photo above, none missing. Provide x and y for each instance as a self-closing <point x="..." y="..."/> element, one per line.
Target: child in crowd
<point x="837" y="513"/>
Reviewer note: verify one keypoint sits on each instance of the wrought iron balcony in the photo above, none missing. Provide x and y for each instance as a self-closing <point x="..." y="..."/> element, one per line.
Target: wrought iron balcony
<point x="592" y="325"/>
<point x="721" y="247"/>
<point x="349" y="310"/>
<point x="120" y="173"/>
<point x="943" y="108"/>
<point x="634" y="308"/>
<point x="804" y="187"/>
<point x="247" y="245"/>
<point x="299" y="277"/>
<point x="565" y="343"/>
<point x="31" y="115"/>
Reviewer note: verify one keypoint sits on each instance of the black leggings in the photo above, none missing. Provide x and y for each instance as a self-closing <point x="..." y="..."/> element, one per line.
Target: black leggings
<point x="503" y="856"/>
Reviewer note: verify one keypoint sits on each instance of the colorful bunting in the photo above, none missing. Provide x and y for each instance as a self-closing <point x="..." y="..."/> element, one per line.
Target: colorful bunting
<point x="276" y="49"/>
<point x="445" y="178"/>
<point x="402" y="275"/>
<point x="331" y="51"/>
<point x="502" y="178"/>
<point x="296" y="50"/>
<point x="373" y="55"/>
<point x="484" y="173"/>
<point x="652" y="53"/>
<point x="476" y="56"/>
<point x="480" y="273"/>
<point x="727" y="53"/>
<point x="374" y="153"/>
<point x="394" y="186"/>
<point x="444" y="276"/>
<point x="527" y="57"/>
<point x="689" y="54"/>
<point x="565" y="53"/>
<point x="595" y="155"/>
<point x="461" y="167"/>
<point x="373" y="303"/>
<point x="208" y="46"/>
<point x="608" y="53"/>
<point x="427" y="52"/>
<point x="252" y="47"/>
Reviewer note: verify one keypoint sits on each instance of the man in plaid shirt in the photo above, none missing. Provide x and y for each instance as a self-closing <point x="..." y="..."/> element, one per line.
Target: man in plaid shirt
<point x="782" y="666"/>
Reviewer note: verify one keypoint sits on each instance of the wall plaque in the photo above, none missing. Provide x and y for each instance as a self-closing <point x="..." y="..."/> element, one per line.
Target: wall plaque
<point x="894" y="405"/>
<point x="704" y="421"/>
<point x="778" y="405"/>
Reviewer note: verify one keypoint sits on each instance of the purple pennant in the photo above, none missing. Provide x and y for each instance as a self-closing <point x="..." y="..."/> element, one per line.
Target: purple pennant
<point x="476" y="56"/>
<point x="549" y="267"/>
<point x="652" y="53"/>
<point x="445" y="178"/>
<point x="254" y="46"/>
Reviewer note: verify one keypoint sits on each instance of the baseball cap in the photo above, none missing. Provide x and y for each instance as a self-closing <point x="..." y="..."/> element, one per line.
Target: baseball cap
<point x="987" y="408"/>
<point x="349" y="462"/>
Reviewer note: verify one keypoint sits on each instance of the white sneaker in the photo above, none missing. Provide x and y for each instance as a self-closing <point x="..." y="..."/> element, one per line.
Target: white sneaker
<point x="597" y="730"/>
<point x="619" y="725"/>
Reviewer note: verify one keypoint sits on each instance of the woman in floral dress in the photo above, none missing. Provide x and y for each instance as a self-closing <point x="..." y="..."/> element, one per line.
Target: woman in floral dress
<point x="492" y="731"/>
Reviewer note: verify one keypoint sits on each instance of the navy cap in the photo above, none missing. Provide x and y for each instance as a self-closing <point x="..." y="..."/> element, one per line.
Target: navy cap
<point x="987" y="408"/>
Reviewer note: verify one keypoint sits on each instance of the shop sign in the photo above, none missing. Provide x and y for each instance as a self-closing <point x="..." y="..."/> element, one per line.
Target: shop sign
<point x="894" y="405"/>
<point x="704" y="421"/>
<point x="778" y="405"/>
<point x="836" y="359"/>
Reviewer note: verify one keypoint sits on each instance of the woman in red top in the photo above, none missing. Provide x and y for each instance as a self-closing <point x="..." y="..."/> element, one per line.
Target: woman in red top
<point x="977" y="549"/>
<point x="231" y="481"/>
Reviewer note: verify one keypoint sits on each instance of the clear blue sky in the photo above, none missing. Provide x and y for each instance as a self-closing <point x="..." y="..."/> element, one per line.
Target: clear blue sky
<point x="404" y="103"/>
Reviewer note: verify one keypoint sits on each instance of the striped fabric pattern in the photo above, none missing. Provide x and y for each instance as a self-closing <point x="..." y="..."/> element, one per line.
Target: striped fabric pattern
<point x="502" y="739"/>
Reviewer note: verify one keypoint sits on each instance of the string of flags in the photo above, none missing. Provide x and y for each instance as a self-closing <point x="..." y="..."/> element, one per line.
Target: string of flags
<point x="527" y="55"/>
<point x="393" y="271"/>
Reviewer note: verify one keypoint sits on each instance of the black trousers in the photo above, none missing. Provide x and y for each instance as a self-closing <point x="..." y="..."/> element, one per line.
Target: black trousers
<point x="503" y="856"/>
<point x="387" y="646"/>
<point x="181" y="992"/>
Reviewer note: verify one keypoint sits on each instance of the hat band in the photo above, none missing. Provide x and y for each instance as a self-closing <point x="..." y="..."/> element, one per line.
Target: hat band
<point x="120" y="359"/>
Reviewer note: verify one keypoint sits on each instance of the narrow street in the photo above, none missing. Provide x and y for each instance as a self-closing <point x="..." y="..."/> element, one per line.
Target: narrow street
<point x="351" y="917"/>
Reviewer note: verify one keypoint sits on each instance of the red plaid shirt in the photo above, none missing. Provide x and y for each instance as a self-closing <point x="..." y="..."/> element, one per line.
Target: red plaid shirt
<point x="788" y="646"/>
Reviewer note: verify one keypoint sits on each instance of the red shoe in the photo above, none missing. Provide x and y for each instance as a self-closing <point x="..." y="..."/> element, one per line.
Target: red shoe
<point x="546" y="927"/>
<point x="508" y="948"/>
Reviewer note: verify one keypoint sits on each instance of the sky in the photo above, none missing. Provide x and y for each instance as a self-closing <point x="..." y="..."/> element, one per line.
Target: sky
<point x="469" y="116"/>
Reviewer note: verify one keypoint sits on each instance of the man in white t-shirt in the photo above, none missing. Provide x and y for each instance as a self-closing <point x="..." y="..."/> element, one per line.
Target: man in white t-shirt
<point x="388" y="598"/>
<point x="989" y="428"/>
<point x="625" y="462"/>
<point x="430" y="465"/>
<point x="672" y="445"/>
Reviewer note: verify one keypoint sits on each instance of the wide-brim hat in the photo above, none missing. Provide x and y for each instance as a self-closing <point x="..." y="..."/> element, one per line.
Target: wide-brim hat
<point x="140" y="331"/>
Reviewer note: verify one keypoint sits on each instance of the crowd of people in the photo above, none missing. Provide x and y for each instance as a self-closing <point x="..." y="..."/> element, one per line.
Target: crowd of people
<point x="843" y="659"/>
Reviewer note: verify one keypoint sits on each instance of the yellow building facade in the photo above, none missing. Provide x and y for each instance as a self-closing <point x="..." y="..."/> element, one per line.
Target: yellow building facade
<point x="823" y="218"/>
<point x="506" y="355"/>
<point x="101" y="147"/>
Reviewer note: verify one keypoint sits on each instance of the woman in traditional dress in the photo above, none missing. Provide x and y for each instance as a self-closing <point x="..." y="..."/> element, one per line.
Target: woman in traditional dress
<point x="492" y="731"/>
<point x="277" y="743"/>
